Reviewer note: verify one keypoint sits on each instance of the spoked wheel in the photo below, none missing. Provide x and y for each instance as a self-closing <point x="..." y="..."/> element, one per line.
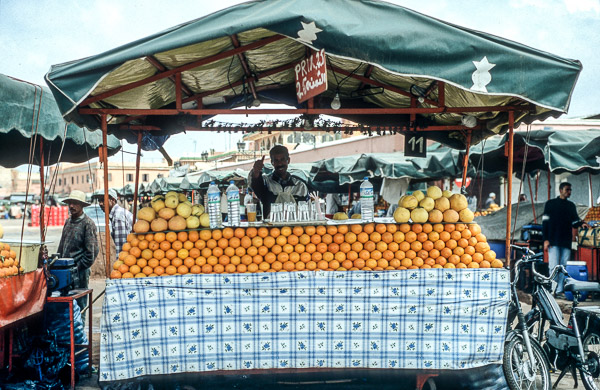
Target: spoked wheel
<point x="591" y="347"/>
<point x="517" y="366"/>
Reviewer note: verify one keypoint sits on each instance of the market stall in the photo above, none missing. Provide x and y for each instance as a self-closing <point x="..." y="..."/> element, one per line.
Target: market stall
<point x="446" y="83"/>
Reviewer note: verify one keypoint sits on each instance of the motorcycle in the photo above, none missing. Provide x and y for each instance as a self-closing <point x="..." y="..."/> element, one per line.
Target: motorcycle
<point x="568" y="347"/>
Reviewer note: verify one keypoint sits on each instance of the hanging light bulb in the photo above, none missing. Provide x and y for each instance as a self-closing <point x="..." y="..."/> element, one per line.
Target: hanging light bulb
<point x="308" y="125"/>
<point x="336" y="103"/>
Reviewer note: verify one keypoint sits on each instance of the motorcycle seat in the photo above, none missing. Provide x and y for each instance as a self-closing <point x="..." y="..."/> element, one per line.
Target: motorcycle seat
<point x="578" y="285"/>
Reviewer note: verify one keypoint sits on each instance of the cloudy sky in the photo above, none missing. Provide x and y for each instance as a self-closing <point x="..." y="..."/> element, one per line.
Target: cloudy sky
<point x="35" y="34"/>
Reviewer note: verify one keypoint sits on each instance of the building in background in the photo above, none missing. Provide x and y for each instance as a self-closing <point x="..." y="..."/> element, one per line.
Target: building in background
<point x="90" y="177"/>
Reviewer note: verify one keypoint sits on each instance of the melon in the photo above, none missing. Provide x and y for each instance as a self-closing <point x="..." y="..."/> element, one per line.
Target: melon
<point x="451" y="216"/>
<point x="141" y="226"/>
<point x="442" y="204"/>
<point x="158" y="225"/>
<point x="157" y="205"/>
<point x="184" y="209"/>
<point x="197" y="210"/>
<point x="419" y="215"/>
<point x="409" y="202"/>
<point x="182" y="197"/>
<point x="356" y="216"/>
<point x="434" y="192"/>
<point x="401" y="215"/>
<point x="146" y="214"/>
<point x="436" y="216"/>
<point x="340" y="216"/>
<point x="177" y="223"/>
<point x="418" y="194"/>
<point x="466" y="215"/>
<point x="427" y="203"/>
<point x="166" y="213"/>
<point x="446" y="193"/>
<point x="171" y="201"/>
<point x="192" y="222"/>
<point x="458" y="202"/>
<point x="204" y="220"/>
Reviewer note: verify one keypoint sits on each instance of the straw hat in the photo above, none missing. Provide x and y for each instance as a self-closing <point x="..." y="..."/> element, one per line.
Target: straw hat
<point x="76" y="196"/>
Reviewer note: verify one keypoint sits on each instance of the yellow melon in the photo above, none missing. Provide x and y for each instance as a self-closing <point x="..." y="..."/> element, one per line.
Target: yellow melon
<point x="146" y="214"/>
<point x="177" y="223"/>
<point x="427" y="203"/>
<point x="458" y="202"/>
<point x="158" y="225"/>
<point x="442" y="204"/>
<point x="401" y="215"/>
<point x="450" y="216"/>
<point x="419" y="215"/>
<point x="466" y="215"/>
<point x="141" y="226"/>
<point x="166" y="213"/>
<point x="447" y="193"/>
<point x="409" y="202"/>
<point x="204" y="220"/>
<point x="184" y="209"/>
<point x="436" y="216"/>
<point x="434" y="192"/>
<point x="418" y="194"/>
<point x="192" y="222"/>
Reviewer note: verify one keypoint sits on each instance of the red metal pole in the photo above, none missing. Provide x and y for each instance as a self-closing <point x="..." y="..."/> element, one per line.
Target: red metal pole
<point x="511" y="124"/>
<point x="531" y="196"/>
<point x="466" y="160"/>
<point x="104" y="158"/>
<point x="137" y="174"/>
<point x="42" y="192"/>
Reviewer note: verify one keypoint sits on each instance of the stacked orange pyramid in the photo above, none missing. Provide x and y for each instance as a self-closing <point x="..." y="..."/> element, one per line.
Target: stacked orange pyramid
<point x="9" y="265"/>
<point x="333" y="247"/>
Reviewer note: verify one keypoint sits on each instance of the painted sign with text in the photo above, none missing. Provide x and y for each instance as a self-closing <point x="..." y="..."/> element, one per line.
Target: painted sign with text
<point x="311" y="76"/>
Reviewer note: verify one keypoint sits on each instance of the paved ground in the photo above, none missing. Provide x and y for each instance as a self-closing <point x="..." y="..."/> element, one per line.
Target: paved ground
<point x="12" y="229"/>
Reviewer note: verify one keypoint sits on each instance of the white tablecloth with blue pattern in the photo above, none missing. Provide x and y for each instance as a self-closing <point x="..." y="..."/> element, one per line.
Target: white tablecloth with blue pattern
<point x="415" y="319"/>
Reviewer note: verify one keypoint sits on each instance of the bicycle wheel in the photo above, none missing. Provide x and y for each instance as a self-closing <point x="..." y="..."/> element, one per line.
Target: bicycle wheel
<point x="591" y="344"/>
<point x="516" y="366"/>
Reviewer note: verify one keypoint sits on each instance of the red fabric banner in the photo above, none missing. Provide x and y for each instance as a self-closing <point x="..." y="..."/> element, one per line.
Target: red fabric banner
<point x="22" y="296"/>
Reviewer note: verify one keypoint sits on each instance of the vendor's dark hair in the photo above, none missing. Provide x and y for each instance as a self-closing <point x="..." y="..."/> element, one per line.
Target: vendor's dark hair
<point x="563" y="185"/>
<point x="279" y="149"/>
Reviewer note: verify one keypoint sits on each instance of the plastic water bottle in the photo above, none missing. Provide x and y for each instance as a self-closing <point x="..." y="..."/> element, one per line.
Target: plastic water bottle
<point x="233" y="204"/>
<point x="366" y="200"/>
<point x="214" y="206"/>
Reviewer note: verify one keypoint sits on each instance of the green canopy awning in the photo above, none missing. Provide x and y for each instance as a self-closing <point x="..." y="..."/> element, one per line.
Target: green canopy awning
<point x="163" y="185"/>
<point x="574" y="151"/>
<point x="379" y="56"/>
<point x="201" y="180"/>
<point x="27" y="110"/>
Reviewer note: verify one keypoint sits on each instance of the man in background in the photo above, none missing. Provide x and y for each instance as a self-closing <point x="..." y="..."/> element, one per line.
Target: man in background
<point x="560" y="217"/>
<point x="490" y="200"/>
<point x="79" y="240"/>
<point x="121" y="220"/>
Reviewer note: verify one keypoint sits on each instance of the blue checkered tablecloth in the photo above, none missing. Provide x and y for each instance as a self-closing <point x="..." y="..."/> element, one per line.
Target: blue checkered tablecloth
<point x="416" y="319"/>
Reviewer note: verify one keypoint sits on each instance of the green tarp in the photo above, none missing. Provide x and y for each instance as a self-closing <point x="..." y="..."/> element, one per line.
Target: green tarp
<point x="390" y="44"/>
<point x="559" y="151"/>
<point x="27" y="109"/>
<point x="163" y="185"/>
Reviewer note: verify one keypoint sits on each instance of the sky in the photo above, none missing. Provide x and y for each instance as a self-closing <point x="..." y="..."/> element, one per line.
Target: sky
<point x="35" y="34"/>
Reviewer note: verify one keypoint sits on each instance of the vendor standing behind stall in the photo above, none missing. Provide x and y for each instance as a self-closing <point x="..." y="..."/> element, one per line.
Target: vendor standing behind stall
<point x="79" y="240"/>
<point x="268" y="187"/>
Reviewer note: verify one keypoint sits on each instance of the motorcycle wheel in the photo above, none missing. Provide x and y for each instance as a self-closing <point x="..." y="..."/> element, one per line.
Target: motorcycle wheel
<point x="515" y="364"/>
<point x="591" y="346"/>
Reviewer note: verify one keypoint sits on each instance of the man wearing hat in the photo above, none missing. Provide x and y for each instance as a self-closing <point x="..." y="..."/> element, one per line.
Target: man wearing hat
<point x="121" y="220"/>
<point x="490" y="200"/>
<point x="79" y="240"/>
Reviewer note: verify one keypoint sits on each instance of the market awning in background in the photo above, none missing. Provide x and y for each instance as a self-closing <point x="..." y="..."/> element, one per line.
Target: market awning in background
<point x="165" y="184"/>
<point x="574" y="151"/>
<point x="201" y="180"/>
<point x="27" y="110"/>
<point x="379" y="56"/>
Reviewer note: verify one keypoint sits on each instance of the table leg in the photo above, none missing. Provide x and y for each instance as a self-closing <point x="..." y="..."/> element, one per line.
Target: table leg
<point x="72" y="334"/>
<point x="89" y="347"/>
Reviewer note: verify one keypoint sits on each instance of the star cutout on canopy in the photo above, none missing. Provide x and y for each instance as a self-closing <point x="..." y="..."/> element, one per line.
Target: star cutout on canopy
<point x="481" y="76"/>
<point x="309" y="32"/>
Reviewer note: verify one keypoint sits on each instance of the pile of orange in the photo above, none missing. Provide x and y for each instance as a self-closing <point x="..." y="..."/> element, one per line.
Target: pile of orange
<point x="9" y="265"/>
<point x="334" y="248"/>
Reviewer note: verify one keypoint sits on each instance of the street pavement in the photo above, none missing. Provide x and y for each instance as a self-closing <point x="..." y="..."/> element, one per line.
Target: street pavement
<point x="12" y="230"/>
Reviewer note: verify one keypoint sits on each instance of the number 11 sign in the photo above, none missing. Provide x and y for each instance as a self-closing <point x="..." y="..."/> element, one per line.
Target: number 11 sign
<point x="415" y="145"/>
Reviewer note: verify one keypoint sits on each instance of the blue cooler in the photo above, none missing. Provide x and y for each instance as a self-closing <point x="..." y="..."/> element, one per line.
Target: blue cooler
<point x="577" y="270"/>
